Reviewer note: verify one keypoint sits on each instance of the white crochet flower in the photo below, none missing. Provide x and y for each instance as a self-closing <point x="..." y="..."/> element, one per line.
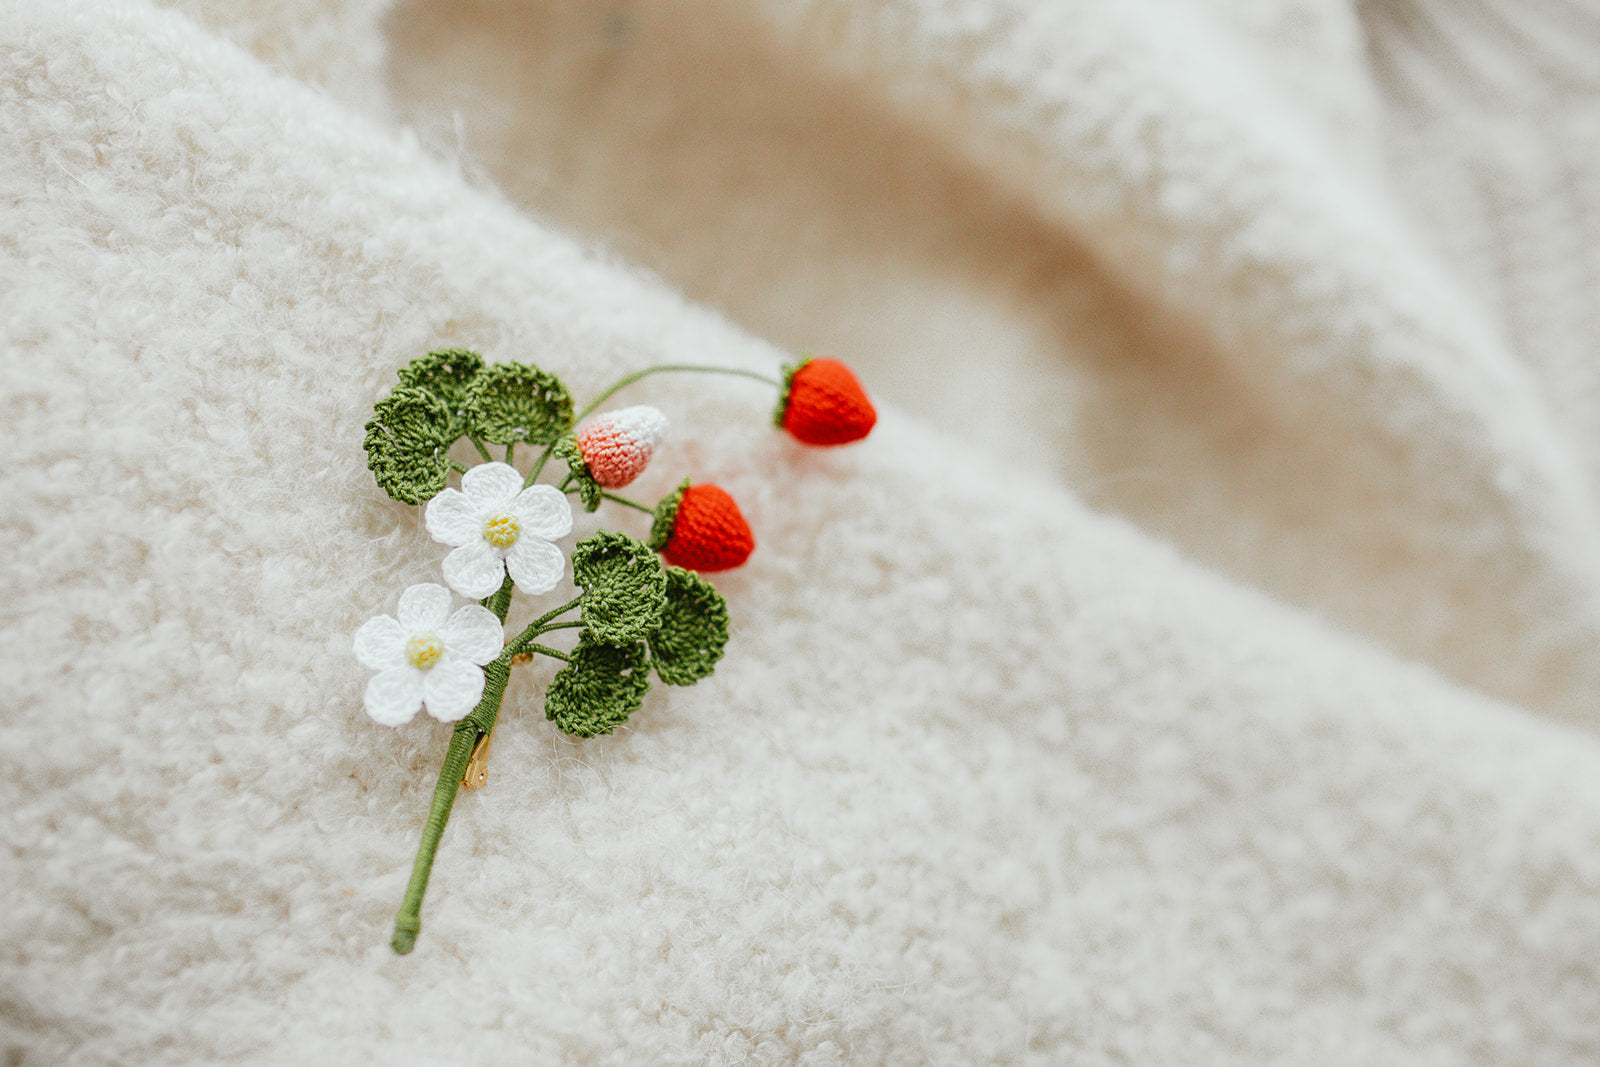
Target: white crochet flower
<point x="425" y="658"/>
<point x="500" y="528"/>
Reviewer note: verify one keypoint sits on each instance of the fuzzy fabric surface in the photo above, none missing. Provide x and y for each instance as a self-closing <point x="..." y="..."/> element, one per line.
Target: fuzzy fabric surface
<point x="1200" y="662"/>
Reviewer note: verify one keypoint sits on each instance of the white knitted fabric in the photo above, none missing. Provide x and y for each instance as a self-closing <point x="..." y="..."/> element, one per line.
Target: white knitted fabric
<point x="1198" y="664"/>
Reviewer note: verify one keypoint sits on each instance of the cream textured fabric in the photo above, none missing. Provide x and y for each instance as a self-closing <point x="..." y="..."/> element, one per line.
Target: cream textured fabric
<point x="1199" y="663"/>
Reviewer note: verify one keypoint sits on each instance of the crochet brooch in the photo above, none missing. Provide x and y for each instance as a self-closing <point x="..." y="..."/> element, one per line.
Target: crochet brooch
<point x="642" y="606"/>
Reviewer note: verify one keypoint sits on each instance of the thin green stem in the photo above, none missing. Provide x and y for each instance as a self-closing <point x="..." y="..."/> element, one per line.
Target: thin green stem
<point x="533" y="629"/>
<point x="614" y="498"/>
<point x="560" y="626"/>
<point x="511" y="454"/>
<point x="541" y="650"/>
<point x="624" y="382"/>
<point x="562" y="610"/>
<point x="458" y="468"/>
<point x="538" y="467"/>
<point x="482" y="451"/>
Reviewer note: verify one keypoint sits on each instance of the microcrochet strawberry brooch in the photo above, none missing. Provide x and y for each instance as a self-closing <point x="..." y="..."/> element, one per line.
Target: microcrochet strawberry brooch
<point x="641" y="606"/>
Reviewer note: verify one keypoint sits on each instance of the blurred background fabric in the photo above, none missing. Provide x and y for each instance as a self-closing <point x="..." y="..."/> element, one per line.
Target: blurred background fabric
<point x="1200" y="664"/>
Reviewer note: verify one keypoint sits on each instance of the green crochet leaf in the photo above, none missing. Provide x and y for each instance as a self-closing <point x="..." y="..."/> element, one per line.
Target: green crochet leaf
<point x="408" y="444"/>
<point x="667" y="516"/>
<point x="598" y="688"/>
<point x="624" y="587"/>
<point x="589" y="490"/>
<point x="448" y="374"/>
<point x="511" y="402"/>
<point x="694" y="629"/>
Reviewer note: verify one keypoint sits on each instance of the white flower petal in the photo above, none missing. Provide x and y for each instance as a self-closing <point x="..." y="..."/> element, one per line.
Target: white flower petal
<point x="395" y="696"/>
<point x="543" y="511"/>
<point x="474" y="634"/>
<point x="536" y="566"/>
<point x="423" y="607"/>
<point x="381" y="643"/>
<point x="451" y="688"/>
<point x="491" y="486"/>
<point x="452" y="519"/>
<point x="474" y="570"/>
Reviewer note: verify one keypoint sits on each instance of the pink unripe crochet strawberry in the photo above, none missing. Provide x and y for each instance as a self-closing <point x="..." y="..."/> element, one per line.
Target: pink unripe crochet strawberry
<point x="823" y="404"/>
<point x="617" y="445"/>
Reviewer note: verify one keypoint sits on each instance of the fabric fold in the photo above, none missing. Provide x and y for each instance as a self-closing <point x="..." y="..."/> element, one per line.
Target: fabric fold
<point x="1150" y="135"/>
<point x="1155" y="250"/>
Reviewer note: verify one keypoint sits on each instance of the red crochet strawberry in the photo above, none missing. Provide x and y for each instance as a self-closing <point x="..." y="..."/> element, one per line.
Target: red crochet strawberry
<point x="699" y="528"/>
<point x="617" y="445"/>
<point x="823" y="404"/>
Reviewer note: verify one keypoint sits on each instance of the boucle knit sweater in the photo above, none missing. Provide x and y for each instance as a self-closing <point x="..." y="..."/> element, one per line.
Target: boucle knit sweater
<point x="1200" y="663"/>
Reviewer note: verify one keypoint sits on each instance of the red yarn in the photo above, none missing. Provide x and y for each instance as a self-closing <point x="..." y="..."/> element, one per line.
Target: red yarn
<point x="827" y="405"/>
<point x="709" y="533"/>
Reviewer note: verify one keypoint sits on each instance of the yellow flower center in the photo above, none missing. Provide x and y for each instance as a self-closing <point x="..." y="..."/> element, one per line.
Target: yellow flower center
<point x="424" y="650"/>
<point x="501" y="531"/>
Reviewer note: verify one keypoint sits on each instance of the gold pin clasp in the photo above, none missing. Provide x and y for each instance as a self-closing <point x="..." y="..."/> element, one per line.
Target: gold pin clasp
<point x="478" y="765"/>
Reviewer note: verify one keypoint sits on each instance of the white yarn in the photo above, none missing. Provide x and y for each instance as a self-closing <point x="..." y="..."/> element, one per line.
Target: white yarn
<point x="426" y="656"/>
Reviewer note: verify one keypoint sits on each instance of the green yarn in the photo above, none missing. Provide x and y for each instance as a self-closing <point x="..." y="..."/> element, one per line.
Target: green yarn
<point x="667" y="517"/>
<point x="511" y="402"/>
<point x="694" y="629"/>
<point x="447" y="374"/>
<point x="598" y="689"/>
<point x="463" y="738"/>
<point x="789" y="371"/>
<point x="589" y="490"/>
<point x="408" y="444"/>
<point x="624" y="587"/>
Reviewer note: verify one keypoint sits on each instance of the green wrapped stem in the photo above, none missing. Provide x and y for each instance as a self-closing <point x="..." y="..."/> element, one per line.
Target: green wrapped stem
<point x="408" y="923"/>
<point x="496" y="675"/>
